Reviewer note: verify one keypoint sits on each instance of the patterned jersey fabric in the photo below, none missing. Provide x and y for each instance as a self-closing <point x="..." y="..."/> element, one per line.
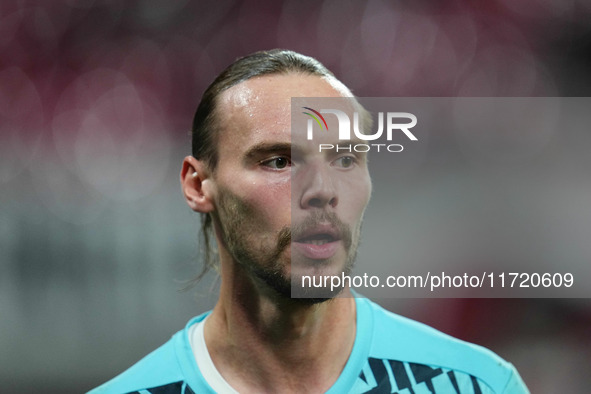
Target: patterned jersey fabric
<point x="391" y="354"/>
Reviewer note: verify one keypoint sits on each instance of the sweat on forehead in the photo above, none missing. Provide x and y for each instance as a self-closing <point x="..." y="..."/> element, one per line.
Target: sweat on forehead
<point x="258" y="64"/>
<point x="284" y="86"/>
<point x="270" y="95"/>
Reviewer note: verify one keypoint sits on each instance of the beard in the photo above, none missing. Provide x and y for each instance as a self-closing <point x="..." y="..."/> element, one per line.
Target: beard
<point x="265" y="257"/>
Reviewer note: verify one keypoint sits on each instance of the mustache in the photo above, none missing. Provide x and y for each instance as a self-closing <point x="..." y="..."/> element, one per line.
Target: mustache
<point x="315" y="219"/>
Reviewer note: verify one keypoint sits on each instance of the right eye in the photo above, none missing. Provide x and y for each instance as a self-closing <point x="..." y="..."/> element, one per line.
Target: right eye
<point x="277" y="163"/>
<point x="345" y="161"/>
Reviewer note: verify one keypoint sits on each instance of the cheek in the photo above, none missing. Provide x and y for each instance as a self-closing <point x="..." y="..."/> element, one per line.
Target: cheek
<point x="272" y="202"/>
<point x="358" y="196"/>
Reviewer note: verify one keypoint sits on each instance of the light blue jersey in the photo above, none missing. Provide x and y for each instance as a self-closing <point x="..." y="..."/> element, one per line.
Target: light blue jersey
<point x="391" y="354"/>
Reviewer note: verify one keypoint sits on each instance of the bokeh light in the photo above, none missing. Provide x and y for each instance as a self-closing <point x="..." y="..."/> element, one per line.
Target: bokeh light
<point x="96" y="101"/>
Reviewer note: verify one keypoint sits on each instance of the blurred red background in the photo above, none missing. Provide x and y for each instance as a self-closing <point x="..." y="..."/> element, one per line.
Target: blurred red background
<point x="96" y="100"/>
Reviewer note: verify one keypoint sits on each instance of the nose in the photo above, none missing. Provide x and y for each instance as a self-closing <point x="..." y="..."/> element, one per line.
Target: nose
<point x="319" y="189"/>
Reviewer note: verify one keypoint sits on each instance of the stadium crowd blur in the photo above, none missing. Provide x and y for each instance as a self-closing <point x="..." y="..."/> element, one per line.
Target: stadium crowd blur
<point x="96" y="100"/>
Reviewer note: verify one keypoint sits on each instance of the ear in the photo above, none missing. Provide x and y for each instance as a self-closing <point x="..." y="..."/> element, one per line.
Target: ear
<point x="196" y="185"/>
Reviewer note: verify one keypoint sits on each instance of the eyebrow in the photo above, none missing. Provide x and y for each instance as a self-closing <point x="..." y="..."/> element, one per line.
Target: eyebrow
<point x="342" y="146"/>
<point x="347" y="147"/>
<point x="266" y="148"/>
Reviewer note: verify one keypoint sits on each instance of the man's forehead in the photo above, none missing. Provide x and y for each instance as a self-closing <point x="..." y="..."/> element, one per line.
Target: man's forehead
<point x="276" y="90"/>
<point x="260" y="108"/>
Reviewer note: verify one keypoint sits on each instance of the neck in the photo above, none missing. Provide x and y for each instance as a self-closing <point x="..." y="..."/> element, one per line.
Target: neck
<point x="263" y="342"/>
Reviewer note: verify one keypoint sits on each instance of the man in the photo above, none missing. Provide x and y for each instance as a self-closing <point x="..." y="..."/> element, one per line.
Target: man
<point x="280" y="209"/>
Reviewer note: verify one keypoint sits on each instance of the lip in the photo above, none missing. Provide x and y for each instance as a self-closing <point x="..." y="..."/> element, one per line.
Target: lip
<point x="318" y="252"/>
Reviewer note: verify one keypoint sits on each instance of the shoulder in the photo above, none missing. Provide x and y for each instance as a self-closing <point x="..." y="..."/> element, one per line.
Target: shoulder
<point x="418" y="349"/>
<point x="170" y="369"/>
<point x="156" y="369"/>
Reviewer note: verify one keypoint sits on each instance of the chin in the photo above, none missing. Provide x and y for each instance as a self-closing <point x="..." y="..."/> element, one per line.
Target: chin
<point x="313" y="284"/>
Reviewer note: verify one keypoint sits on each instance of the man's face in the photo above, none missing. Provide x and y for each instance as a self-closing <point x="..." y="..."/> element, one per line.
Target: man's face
<point x="284" y="209"/>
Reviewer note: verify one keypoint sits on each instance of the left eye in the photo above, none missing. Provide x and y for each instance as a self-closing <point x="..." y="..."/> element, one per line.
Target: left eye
<point x="277" y="163"/>
<point x="345" y="161"/>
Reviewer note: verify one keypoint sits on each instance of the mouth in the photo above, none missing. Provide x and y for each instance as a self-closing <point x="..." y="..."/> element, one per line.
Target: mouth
<point x="318" y="243"/>
<point x="317" y="239"/>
